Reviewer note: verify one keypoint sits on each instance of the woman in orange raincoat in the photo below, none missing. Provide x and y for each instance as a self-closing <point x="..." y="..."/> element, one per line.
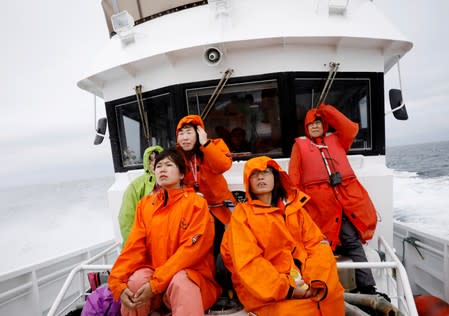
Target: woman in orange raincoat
<point x="207" y="160"/>
<point x="281" y="263"/>
<point x="168" y="254"/>
<point x="340" y="205"/>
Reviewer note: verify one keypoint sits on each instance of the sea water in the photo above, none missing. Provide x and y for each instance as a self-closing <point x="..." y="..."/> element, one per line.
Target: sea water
<point x="39" y="222"/>
<point x="421" y="186"/>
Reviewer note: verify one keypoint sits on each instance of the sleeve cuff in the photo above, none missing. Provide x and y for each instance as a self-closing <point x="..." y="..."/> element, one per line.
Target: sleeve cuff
<point x="206" y="143"/>
<point x="154" y="288"/>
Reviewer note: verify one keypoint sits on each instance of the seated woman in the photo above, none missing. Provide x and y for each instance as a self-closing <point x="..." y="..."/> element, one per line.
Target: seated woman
<point x="271" y="241"/>
<point x="168" y="254"/>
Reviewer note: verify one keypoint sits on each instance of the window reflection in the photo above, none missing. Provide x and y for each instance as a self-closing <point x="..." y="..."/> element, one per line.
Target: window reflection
<point x="245" y="116"/>
<point x="130" y="128"/>
<point x="350" y="96"/>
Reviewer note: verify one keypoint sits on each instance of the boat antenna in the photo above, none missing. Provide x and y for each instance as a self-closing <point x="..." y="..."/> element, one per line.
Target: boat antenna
<point x="330" y="79"/>
<point x="218" y="89"/>
<point x="143" y="117"/>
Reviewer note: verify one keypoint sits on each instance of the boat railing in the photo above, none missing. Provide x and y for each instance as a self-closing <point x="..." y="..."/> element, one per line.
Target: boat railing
<point x="396" y="282"/>
<point x="426" y="258"/>
<point x="31" y="290"/>
<point x="79" y="270"/>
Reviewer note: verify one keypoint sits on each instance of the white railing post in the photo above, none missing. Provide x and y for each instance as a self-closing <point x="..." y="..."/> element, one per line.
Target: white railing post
<point x="82" y="283"/>
<point x="35" y="294"/>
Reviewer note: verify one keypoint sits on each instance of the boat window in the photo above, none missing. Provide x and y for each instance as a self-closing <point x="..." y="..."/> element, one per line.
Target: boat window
<point x="350" y="96"/>
<point x="130" y="128"/>
<point x="245" y="115"/>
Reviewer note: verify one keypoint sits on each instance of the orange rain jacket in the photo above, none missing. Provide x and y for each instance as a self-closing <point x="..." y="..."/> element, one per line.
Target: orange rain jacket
<point x="173" y="231"/>
<point x="328" y="203"/>
<point x="212" y="184"/>
<point x="259" y="248"/>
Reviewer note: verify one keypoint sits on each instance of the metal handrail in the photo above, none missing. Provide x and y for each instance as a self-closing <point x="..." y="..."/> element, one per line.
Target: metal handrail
<point x="403" y="288"/>
<point x="24" y="288"/>
<point x="72" y="274"/>
<point x="405" y="285"/>
<point x="393" y="264"/>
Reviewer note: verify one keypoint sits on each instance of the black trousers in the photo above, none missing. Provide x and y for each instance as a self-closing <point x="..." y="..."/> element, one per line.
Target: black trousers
<point x="351" y="246"/>
<point x="219" y="231"/>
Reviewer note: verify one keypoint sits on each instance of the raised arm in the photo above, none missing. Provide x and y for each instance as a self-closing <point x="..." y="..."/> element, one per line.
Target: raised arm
<point x="345" y="129"/>
<point x="217" y="155"/>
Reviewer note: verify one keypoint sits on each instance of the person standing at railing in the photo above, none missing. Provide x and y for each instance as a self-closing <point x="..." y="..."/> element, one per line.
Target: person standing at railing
<point x="168" y="255"/>
<point x="340" y="205"/>
<point x="137" y="189"/>
<point x="281" y="263"/>
<point x="207" y="160"/>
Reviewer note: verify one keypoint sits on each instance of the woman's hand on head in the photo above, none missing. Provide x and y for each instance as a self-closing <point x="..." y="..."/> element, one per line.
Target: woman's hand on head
<point x="143" y="294"/>
<point x="202" y="135"/>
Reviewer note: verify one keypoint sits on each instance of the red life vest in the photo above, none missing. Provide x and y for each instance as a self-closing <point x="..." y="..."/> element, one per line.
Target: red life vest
<point x="328" y="202"/>
<point x="313" y="166"/>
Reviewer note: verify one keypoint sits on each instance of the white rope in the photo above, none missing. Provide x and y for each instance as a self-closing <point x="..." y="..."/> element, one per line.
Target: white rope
<point x="330" y="79"/>
<point x="216" y="93"/>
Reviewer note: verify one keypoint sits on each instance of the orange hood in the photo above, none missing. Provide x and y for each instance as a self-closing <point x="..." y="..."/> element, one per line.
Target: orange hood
<point x="194" y="120"/>
<point x="311" y="116"/>
<point x="259" y="164"/>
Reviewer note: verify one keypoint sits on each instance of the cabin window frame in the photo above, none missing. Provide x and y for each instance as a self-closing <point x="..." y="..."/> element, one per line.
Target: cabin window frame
<point x="287" y="113"/>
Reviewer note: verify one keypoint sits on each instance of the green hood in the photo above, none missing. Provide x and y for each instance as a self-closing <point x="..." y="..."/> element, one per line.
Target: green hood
<point x="147" y="154"/>
<point x="141" y="186"/>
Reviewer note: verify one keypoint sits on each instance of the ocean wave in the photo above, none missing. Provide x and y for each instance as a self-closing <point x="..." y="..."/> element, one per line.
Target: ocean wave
<point x="422" y="202"/>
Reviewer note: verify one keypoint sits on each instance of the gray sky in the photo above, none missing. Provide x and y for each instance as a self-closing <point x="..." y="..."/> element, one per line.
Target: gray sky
<point x="47" y="121"/>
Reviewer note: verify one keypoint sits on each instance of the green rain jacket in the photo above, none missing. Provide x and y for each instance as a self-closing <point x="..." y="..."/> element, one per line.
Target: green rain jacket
<point x="141" y="186"/>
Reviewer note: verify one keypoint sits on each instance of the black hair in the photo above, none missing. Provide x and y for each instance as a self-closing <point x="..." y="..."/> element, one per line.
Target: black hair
<point x="174" y="155"/>
<point x="278" y="191"/>
<point x="196" y="149"/>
